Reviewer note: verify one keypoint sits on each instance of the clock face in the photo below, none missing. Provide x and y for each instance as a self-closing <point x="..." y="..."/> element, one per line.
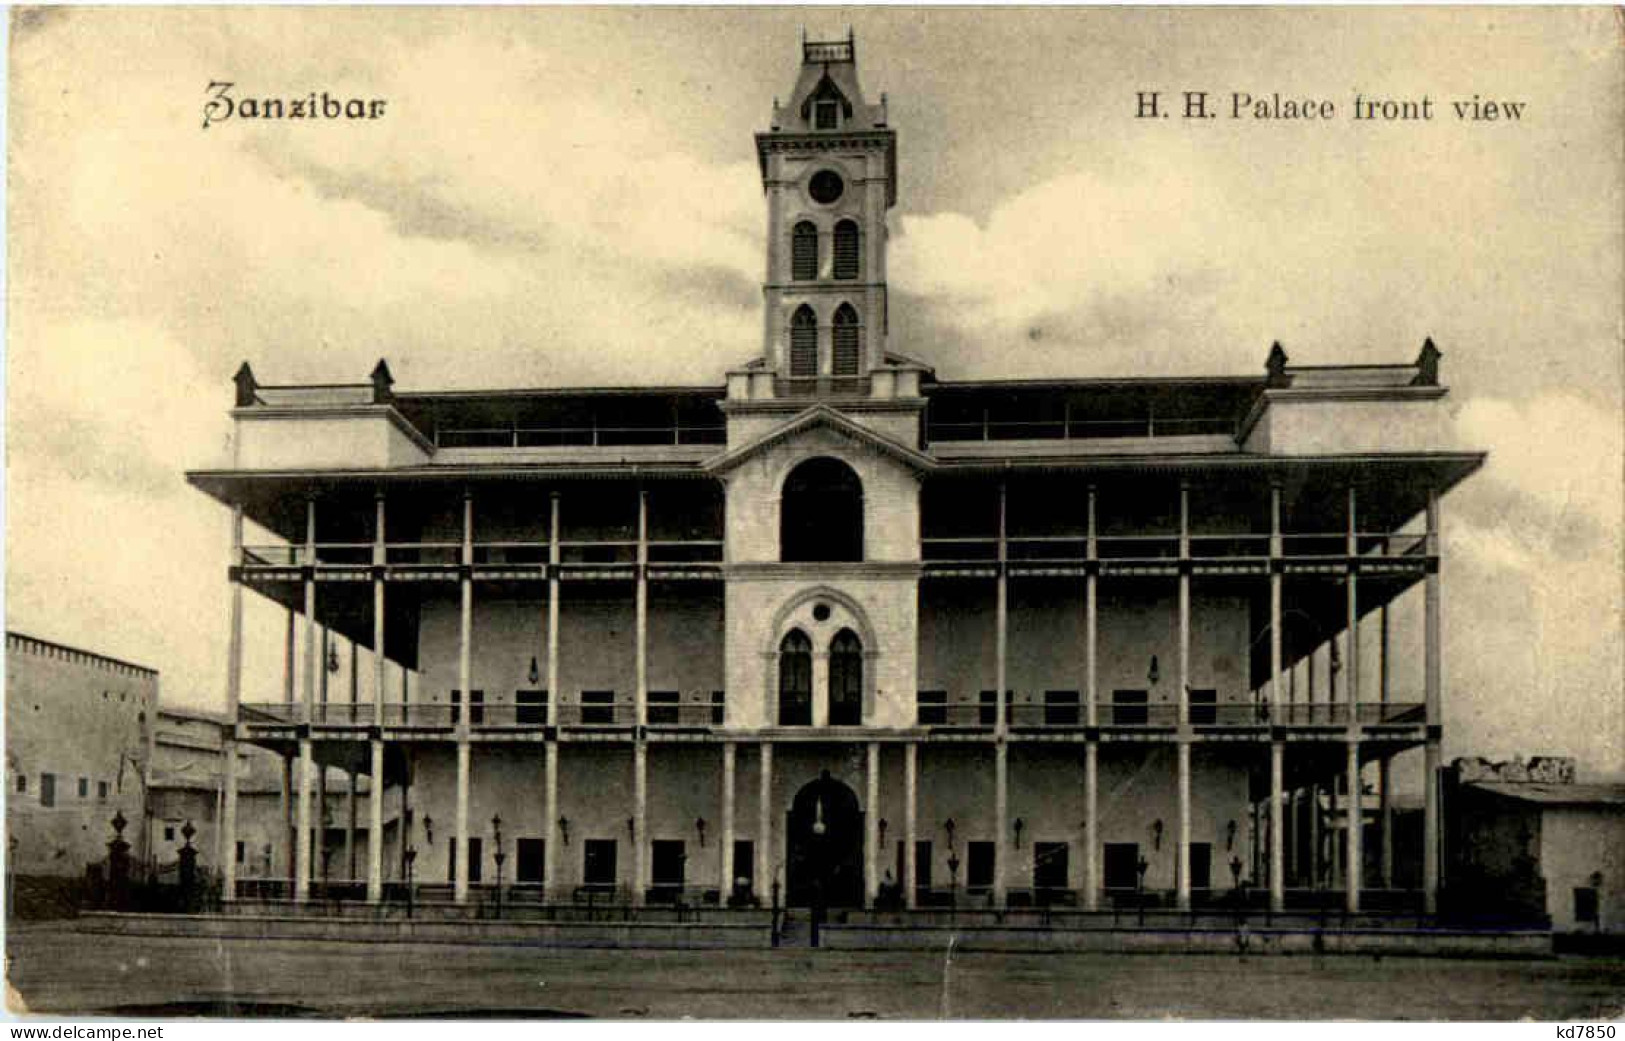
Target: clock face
<point x="825" y="187"/>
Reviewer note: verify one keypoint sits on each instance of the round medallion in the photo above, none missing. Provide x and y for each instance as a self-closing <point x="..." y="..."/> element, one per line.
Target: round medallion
<point x="825" y="187"/>
<point x="820" y="612"/>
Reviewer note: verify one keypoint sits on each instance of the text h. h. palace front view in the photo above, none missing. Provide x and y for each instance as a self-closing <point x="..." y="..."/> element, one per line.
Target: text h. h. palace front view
<point x="702" y="645"/>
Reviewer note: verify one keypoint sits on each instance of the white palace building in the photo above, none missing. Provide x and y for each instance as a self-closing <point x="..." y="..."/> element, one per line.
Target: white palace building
<point x="721" y="645"/>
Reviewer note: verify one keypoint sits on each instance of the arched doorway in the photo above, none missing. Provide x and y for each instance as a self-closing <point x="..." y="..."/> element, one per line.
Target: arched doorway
<point x="846" y="679"/>
<point x="824" y="843"/>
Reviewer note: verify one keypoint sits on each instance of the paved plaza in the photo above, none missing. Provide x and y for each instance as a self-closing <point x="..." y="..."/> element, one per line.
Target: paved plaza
<point x="55" y="970"/>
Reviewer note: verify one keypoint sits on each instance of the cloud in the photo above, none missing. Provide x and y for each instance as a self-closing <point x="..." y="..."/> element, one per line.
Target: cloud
<point x="1552" y="486"/>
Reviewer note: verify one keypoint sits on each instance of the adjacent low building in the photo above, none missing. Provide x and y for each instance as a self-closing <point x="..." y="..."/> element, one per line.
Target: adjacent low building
<point x="1527" y="841"/>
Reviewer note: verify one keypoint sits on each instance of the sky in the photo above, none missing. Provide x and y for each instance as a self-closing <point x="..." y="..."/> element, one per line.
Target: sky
<point x="570" y="196"/>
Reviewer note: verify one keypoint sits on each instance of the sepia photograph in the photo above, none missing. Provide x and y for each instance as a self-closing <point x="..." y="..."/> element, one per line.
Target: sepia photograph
<point x="814" y="513"/>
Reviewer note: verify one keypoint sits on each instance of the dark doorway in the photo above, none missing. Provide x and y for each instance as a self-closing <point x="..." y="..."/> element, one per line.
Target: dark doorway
<point x="845" y="679"/>
<point x="1122" y="866"/>
<point x="1201" y="868"/>
<point x="668" y="861"/>
<point x="529" y="860"/>
<point x="830" y="861"/>
<point x="821" y="513"/>
<point x="598" y="868"/>
<point x="1049" y="872"/>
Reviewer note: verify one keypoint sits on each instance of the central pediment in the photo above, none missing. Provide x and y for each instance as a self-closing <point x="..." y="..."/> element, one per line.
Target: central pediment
<point x="821" y="419"/>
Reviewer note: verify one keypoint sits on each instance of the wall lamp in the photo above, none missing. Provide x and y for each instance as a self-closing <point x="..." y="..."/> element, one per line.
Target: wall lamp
<point x="882" y="827"/>
<point x="1230" y="835"/>
<point x="564" y="830"/>
<point x="948" y="826"/>
<point x="535" y="673"/>
<point x="699" y="826"/>
<point x="1020" y="825"/>
<point x="1156" y="833"/>
<point x="428" y="829"/>
<point x="1153" y="673"/>
<point x="632" y="827"/>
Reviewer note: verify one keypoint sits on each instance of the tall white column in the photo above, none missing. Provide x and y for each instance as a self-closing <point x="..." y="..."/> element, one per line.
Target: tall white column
<point x="1091" y="826"/>
<point x="1001" y="821"/>
<point x="1355" y="816"/>
<point x="1091" y="621"/>
<point x="871" y="824"/>
<point x="1091" y="750"/>
<point x="911" y="767"/>
<point x="1001" y="761"/>
<point x="234" y="691"/>
<point x="464" y="770"/>
<point x="554" y="695"/>
<point x="1385" y="809"/>
<point x="726" y="853"/>
<point x="1182" y="867"/>
<point x="1433" y="670"/>
<point x="301" y="859"/>
<point x="764" y="825"/>
<point x="1277" y="832"/>
<point x="309" y="569"/>
<point x="1352" y="579"/>
<point x="380" y="661"/>
<point x="550" y="802"/>
<point x="380" y="654"/>
<point x="640" y="821"/>
<point x="1001" y="630"/>
<point x="465" y="685"/>
<point x="375" y="823"/>
<point x="1281" y="713"/>
<point x="641" y="660"/>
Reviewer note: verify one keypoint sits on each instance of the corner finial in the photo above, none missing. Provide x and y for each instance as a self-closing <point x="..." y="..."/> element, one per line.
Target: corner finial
<point x="1427" y="365"/>
<point x="382" y="382"/>
<point x="246" y="386"/>
<point x="1275" y="365"/>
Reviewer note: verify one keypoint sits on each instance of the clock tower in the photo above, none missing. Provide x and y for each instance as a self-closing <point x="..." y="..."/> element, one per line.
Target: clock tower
<point x="829" y="170"/>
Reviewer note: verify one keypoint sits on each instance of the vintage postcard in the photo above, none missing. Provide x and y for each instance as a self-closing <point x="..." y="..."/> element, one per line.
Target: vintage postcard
<point x="815" y="513"/>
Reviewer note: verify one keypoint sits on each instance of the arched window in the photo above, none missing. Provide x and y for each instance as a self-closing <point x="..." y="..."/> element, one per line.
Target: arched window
<point x="846" y="249"/>
<point x="845" y="679"/>
<point x="804" y="251"/>
<point x="848" y="353"/>
<point x="821" y="513"/>
<point x="795" y="680"/>
<point x="804" y="342"/>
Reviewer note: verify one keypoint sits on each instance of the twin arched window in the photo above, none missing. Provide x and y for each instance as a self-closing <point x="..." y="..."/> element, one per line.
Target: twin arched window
<point x="845" y="679"/>
<point x="847" y="354"/>
<point x="804" y="251"/>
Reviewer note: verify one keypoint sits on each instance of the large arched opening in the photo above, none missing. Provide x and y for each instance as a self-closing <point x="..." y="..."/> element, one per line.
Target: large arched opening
<point x="821" y="513"/>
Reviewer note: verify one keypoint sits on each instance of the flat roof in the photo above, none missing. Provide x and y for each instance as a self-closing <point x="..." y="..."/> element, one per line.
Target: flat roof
<point x="1594" y="794"/>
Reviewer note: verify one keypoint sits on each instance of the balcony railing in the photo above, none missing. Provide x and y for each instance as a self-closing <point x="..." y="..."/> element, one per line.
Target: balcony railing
<point x="1068" y="715"/>
<point x="591" y="436"/>
<point x="448" y="554"/>
<point x="488" y="715"/>
<point x="1072" y="549"/>
<point x="820" y="386"/>
<point x="1074" y="429"/>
